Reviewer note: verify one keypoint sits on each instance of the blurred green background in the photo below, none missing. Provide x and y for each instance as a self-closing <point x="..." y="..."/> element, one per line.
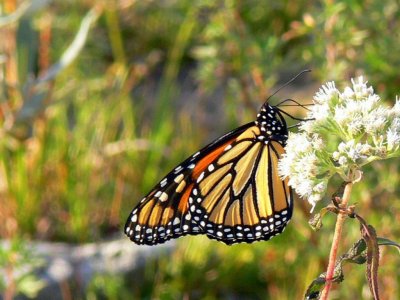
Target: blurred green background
<point x="135" y="87"/>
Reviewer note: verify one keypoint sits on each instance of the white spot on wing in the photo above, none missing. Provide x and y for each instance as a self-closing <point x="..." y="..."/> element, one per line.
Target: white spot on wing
<point x="163" y="182"/>
<point x="200" y="177"/>
<point x="178" y="169"/>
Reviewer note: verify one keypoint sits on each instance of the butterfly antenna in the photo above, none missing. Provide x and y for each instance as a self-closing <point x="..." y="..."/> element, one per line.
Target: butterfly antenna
<point x="298" y="124"/>
<point x="294" y="118"/>
<point x="290" y="105"/>
<point x="294" y="101"/>
<point x="294" y="126"/>
<point x="287" y="83"/>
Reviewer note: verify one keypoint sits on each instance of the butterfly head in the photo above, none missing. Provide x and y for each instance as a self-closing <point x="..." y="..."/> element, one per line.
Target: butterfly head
<point x="272" y="124"/>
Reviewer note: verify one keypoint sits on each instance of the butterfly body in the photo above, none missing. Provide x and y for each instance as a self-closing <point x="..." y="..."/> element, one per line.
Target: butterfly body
<point x="229" y="190"/>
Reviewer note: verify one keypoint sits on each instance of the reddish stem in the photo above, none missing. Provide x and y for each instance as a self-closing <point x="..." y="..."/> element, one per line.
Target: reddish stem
<point x="335" y="242"/>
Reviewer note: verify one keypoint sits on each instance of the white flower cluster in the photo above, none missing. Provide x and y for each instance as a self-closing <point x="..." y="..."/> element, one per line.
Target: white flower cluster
<point x="302" y="163"/>
<point x="345" y="130"/>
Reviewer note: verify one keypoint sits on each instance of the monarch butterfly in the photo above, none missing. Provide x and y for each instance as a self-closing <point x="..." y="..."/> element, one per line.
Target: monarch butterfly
<point x="229" y="190"/>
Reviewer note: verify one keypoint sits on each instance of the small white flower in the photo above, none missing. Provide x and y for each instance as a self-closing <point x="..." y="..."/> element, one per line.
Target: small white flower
<point x="319" y="112"/>
<point x="336" y="155"/>
<point x="304" y="188"/>
<point x="375" y="123"/>
<point x="348" y="93"/>
<point x="299" y="143"/>
<point x="342" y="146"/>
<point x="342" y="161"/>
<point x="360" y="88"/>
<point x="317" y="142"/>
<point x="307" y="127"/>
<point x="393" y="139"/>
<point x="396" y="108"/>
<point x="326" y="93"/>
<point x="355" y="125"/>
<point x="307" y="164"/>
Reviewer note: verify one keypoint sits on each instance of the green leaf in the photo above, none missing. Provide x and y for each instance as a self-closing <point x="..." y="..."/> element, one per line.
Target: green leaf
<point x="387" y="242"/>
<point x="315" y="288"/>
<point x="316" y="220"/>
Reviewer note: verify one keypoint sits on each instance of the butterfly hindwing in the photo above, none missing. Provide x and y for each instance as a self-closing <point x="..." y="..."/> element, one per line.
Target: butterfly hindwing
<point x="241" y="198"/>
